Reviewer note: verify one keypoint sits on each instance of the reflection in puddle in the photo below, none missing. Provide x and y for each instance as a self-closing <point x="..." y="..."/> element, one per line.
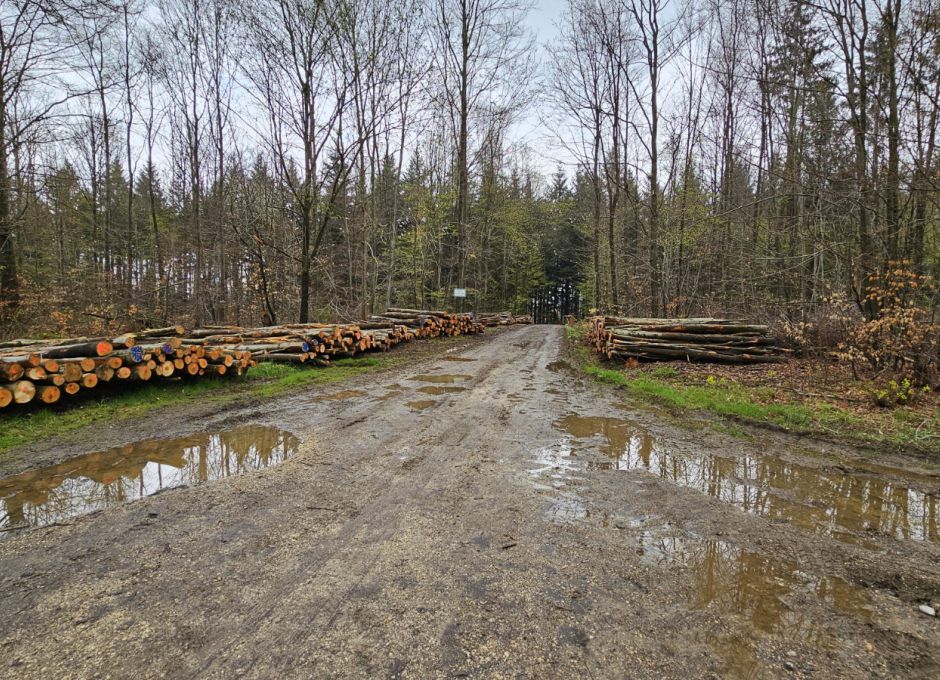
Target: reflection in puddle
<point x="123" y="474"/>
<point x="421" y="404"/>
<point x="766" y="593"/>
<point x="441" y="389"/>
<point x="442" y="378"/>
<point x="555" y="464"/>
<point x="341" y="396"/>
<point x="555" y="461"/>
<point x="828" y="501"/>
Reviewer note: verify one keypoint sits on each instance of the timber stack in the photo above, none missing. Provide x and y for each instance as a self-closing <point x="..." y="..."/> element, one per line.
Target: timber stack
<point x="312" y="343"/>
<point x="731" y="341"/>
<point x="47" y="370"/>
<point x="503" y="319"/>
<point x="429" y="323"/>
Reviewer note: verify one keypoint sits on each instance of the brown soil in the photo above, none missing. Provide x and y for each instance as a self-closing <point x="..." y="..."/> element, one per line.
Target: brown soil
<point x="529" y="525"/>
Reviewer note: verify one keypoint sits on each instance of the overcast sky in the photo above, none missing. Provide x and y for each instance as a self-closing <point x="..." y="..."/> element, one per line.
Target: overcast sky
<point x="542" y="20"/>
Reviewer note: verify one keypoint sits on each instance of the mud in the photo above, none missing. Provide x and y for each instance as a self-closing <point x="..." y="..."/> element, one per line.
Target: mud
<point x="441" y="378"/>
<point x="438" y="390"/>
<point x="535" y="526"/>
<point x="343" y="395"/>
<point x="421" y="404"/>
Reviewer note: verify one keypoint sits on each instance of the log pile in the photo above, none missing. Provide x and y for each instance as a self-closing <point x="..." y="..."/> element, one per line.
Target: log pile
<point x="313" y="343"/>
<point x="710" y="340"/>
<point x="503" y="319"/>
<point x="427" y="323"/>
<point x="49" y="370"/>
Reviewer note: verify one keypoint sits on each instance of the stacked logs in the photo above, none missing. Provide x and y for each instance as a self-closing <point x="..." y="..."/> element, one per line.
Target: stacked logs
<point x="47" y="370"/>
<point x="425" y="323"/>
<point x="312" y="343"/>
<point x="317" y="344"/>
<point x="503" y="319"/>
<point x="704" y="339"/>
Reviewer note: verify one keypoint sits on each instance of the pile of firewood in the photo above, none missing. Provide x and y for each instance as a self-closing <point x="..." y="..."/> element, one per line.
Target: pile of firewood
<point x="47" y="370"/>
<point x="710" y="340"/>
<point x="503" y="319"/>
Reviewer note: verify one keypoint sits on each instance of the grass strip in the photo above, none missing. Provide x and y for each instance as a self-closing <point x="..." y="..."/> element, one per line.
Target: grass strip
<point x="750" y="405"/>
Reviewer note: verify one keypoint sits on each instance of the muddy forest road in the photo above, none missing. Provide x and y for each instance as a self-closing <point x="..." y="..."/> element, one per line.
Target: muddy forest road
<point x="490" y="514"/>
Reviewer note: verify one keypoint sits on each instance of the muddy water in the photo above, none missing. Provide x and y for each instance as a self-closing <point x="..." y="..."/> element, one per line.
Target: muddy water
<point x="440" y="389"/>
<point x="457" y="358"/>
<point x="421" y="404"/>
<point x="448" y="378"/>
<point x="343" y="395"/>
<point x="123" y="474"/>
<point x="765" y="593"/>
<point x="843" y="505"/>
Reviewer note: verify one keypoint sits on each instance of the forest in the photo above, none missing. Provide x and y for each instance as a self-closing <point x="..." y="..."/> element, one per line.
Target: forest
<point x="222" y="161"/>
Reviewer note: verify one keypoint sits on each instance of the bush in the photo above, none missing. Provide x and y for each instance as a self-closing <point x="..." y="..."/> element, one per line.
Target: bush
<point x="897" y="393"/>
<point x="901" y="342"/>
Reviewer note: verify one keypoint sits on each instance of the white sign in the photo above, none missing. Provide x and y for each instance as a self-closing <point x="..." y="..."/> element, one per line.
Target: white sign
<point x="460" y="292"/>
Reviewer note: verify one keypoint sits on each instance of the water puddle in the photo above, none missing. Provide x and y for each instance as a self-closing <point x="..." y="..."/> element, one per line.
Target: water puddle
<point x="766" y="594"/>
<point x="441" y="389"/>
<point x="127" y="473"/>
<point x="844" y="505"/>
<point x="555" y="462"/>
<point x="558" y="366"/>
<point x="449" y="378"/>
<point x="342" y="396"/>
<point x="421" y="404"/>
<point x="456" y="358"/>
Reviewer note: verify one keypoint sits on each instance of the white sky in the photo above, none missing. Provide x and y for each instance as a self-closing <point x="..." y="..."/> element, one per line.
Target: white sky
<point x="545" y="152"/>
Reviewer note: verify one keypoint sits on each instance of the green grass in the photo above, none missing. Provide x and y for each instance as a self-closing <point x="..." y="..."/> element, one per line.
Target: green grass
<point x="753" y="405"/>
<point x="21" y="428"/>
<point x="721" y="397"/>
<point x="264" y="380"/>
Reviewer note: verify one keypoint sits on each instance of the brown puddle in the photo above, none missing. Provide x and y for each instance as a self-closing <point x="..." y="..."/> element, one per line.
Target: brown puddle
<point x="844" y="505"/>
<point x="127" y="473"/>
<point x="441" y="389"/>
<point x="442" y="378"/>
<point x="455" y="358"/>
<point x="341" y="396"/>
<point x="421" y="404"/>
<point x="766" y="594"/>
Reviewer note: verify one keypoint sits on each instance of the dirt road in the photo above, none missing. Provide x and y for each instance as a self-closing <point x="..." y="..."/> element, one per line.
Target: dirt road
<point x="490" y="515"/>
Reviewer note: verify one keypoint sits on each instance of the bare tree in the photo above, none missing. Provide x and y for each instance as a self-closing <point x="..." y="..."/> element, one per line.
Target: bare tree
<point x="481" y="64"/>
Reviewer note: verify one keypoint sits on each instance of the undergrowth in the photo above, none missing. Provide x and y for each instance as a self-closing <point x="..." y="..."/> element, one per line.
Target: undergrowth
<point x="664" y="385"/>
